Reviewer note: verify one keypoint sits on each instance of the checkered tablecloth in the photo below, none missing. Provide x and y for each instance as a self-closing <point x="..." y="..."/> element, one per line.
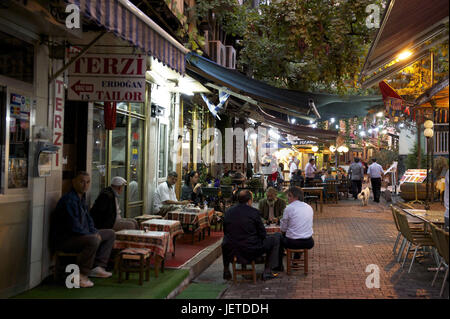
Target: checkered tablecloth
<point x="156" y="241"/>
<point x="273" y="229"/>
<point x="173" y="227"/>
<point x="198" y="221"/>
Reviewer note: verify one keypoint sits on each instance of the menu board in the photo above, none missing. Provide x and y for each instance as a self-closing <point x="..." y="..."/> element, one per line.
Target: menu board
<point x="414" y="176"/>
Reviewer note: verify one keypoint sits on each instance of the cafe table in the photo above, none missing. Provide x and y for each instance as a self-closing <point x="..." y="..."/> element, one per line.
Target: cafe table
<point x="173" y="227"/>
<point x="156" y="241"/>
<point x="272" y="228"/>
<point x="315" y="191"/>
<point x="193" y="220"/>
<point x="428" y="216"/>
<point x="142" y="218"/>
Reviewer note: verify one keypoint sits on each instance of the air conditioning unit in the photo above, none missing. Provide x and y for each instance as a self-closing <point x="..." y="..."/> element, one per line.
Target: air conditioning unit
<point x="231" y="57"/>
<point x="217" y="52"/>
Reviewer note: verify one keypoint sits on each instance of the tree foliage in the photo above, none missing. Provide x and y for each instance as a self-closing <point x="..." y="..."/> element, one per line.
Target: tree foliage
<point x="306" y="45"/>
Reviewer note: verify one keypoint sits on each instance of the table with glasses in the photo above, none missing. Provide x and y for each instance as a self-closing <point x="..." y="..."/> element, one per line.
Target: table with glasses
<point x="193" y="220"/>
<point x="315" y="191"/>
<point x="156" y="241"/>
<point x="173" y="227"/>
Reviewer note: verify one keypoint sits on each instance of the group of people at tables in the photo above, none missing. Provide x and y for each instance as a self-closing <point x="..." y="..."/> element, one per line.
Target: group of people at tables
<point x="245" y="236"/>
<point x="91" y="233"/>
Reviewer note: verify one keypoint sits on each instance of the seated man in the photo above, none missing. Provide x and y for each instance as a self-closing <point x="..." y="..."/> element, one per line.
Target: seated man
<point x="165" y="198"/>
<point x="245" y="236"/>
<point x="74" y="231"/>
<point x="106" y="209"/>
<point x="297" y="223"/>
<point x="297" y="179"/>
<point x="272" y="207"/>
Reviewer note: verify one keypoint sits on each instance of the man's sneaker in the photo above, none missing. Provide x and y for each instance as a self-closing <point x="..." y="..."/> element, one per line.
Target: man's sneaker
<point x="85" y="282"/>
<point x="100" y="272"/>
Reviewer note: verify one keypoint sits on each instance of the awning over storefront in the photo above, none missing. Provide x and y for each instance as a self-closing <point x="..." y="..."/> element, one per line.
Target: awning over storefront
<point x="285" y="101"/>
<point x="126" y="21"/>
<point x="413" y="25"/>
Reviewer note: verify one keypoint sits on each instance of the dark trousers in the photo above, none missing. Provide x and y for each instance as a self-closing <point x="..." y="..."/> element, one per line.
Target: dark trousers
<point x="376" y="188"/>
<point x="303" y="243"/>
<point x="356" y="188"/>
<point x="93" y="250"/>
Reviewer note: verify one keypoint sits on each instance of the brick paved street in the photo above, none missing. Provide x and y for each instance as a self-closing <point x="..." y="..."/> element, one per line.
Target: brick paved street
<point x="348" y="238"/>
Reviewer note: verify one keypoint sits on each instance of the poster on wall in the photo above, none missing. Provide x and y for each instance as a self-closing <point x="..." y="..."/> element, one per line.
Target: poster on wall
<point x="414" y="176"/>
<point x="104" y="77"/>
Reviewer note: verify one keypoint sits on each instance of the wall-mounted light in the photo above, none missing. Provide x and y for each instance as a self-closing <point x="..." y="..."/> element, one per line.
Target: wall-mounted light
<point x="380" y="114"/>
<point x="332" y="120"/>
<point x="370" y="131"/>
<point x="428" y="124"/>
<point x="314" y="149"/>
<point x="362" y="133"/>
<point x="314" y="126"/>
<point x="345" y="149"/>
<point x="404" y="55"/>
<point x="293" y="121"/>
<point x="428" y="132"/>
<point x="332" y="148"/>
<point x="337" y="126"/>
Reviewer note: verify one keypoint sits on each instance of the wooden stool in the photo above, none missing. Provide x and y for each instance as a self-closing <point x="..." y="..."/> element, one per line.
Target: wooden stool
<point x="134" y="260"/>
<point x="243" y="270"/>
<point x="58" y="255"/>
<point x="295" y="264"/>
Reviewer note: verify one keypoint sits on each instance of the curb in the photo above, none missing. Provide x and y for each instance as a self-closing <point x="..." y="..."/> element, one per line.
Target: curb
<point x="197" y="265"/>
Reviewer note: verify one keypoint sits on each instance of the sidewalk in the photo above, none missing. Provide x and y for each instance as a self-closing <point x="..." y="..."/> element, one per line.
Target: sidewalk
<point x="348" y="238"/>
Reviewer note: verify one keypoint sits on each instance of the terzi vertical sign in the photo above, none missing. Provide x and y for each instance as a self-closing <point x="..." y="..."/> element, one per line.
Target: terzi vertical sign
<point x="58" y="118"/>
<point x="104" y="77"/>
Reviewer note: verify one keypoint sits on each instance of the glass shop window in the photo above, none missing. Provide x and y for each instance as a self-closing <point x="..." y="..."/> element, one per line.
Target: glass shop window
<point x="16" y="58"/>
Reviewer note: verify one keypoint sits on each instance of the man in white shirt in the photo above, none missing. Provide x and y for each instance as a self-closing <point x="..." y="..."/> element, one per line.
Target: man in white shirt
<point x="446" y="201"/>
<point x="297" y="223"/>
<point x="292" y="167"/>
<point x="165" y="198"/>
<point x="375" y="173"/>
<point x="310" y="171"/>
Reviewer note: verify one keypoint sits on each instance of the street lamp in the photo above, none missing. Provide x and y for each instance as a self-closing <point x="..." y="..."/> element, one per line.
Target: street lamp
<point x="428" y="132"/>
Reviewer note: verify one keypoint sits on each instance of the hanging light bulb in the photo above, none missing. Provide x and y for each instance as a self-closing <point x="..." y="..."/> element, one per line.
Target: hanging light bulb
<point x="314" y="149"/>
<point x="362" y="133"/>
<point x="337" y="126"/>
<point x="401" y="125"/>
<point x="359" y="127"/>
<point x="379" y="114"/>
<point x="332" y="148"/>
<point x="370" y="131"/>
<point x="332" y="120"/>
<point x="293" y="121"/>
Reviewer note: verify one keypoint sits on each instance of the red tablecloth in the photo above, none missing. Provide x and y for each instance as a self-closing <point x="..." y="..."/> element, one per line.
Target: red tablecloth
<point x="173" y="227"/>
<point x="273" y="229"/>
<point x="198" y="220"/>
<point x="156" y="241"/>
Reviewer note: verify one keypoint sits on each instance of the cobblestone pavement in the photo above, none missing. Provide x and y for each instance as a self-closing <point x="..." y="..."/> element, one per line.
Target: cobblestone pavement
<point x="348" y="238"/>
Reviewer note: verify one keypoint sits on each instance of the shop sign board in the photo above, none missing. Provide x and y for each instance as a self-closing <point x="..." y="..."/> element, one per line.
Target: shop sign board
<point x="106" y="77"/>
<point x="414" y="176"/>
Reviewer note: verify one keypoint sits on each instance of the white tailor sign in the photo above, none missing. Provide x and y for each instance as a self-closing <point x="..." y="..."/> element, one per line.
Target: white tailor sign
<point x="105" y="77"/>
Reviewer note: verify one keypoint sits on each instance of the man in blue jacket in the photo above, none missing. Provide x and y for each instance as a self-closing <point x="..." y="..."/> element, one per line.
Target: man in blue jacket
<point x="245" y="237"/>
<point x="74" y="231"/>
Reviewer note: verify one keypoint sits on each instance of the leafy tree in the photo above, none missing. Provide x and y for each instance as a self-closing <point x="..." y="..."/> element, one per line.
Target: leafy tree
<point x="385" y="157"/>
<point x="305" y="45"/>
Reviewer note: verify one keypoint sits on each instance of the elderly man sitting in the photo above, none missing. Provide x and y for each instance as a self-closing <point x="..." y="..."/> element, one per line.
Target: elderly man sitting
<point x="272" y="207"/>
<point x="245" y="236"/>
<point x="106" y="211"/>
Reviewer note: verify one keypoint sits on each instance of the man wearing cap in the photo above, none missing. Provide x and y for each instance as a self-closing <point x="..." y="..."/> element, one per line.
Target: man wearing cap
<point x="165" y="198"/>
<point x="106" y="211"/>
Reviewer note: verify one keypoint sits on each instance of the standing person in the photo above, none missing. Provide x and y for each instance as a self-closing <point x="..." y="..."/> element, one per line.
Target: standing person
<point x="375" y="172"/>
<point x="297" y="224"/>
<point x="292" y="167"/>
<point x="310" y="171"/>
<point x="446" y="194"/>
<point x="356" y="172"/>
<point x="192" y="189"/>
<point x="245" y="236"/>
<point x="73" y="230"/>
<point x="106" y="210"/>
<point x="165" y="198"/>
